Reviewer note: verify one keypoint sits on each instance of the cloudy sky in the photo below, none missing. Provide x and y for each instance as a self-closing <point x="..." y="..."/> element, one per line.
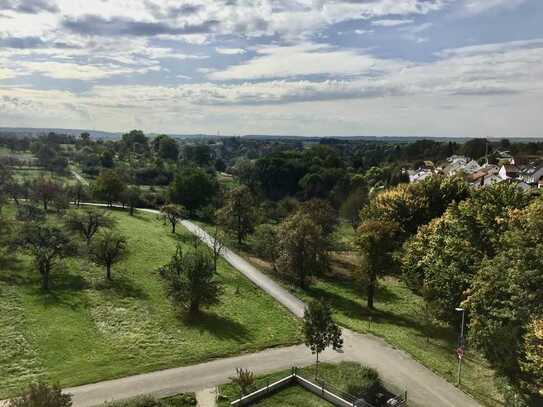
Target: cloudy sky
<point x="471" y="68"/>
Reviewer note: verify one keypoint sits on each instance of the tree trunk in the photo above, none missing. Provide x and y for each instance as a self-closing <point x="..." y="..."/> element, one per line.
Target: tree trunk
<point x="317" y="367"/>
<point x="371" y="291"/>
<point x="131" y="210"/>
<point x="45" y="278"/>
<point x="45" y="205"/>
<point x="108" y="271"/>
<point x="174" y="222"/>
<point x="194" y="307"/>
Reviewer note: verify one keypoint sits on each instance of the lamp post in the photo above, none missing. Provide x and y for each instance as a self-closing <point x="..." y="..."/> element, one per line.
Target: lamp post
<point x="460" y="350"/>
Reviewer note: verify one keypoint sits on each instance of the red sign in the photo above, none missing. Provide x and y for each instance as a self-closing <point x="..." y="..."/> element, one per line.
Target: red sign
<point x="460" y="352"/>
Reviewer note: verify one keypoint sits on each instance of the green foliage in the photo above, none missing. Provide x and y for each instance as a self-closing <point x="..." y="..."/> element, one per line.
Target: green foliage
<point x="42" y="395"/>
<point x="87" y="222"/>
<point x="303" y="248"/>
<point x="108" y="248"/>
<point x="320" y="330"/>
<point x="47" y="244"/>
<point x="173" y="214"/>
<point x="244" y="379"/>
<point x="192" y="280"/>
<point x="109" y="186"/>
<point x="193" y="188"/>
<point x="376" y="242"/>
<point x="265" y="242"/>
<point x="239" y="214"/>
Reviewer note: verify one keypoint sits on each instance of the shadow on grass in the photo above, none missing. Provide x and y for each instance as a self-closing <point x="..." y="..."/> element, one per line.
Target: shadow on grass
<point x="220" y="327"/>
<point x="121" y="287"/>
<point x="356" y="311"/>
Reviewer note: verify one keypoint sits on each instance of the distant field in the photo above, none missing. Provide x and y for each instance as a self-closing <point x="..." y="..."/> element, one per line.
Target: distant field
<point x="87" y="329"/>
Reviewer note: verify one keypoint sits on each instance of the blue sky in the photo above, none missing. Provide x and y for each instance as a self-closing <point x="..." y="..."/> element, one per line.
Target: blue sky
<point x="467" y="68"/>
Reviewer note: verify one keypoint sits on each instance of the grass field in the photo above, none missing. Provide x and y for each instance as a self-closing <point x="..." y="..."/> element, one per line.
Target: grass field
<point x="87" y="329"/>
<point x="341" y="376"/>
<point x="400" y="318"/>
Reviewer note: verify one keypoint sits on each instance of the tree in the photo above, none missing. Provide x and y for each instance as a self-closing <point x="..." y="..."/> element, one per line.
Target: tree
<point x="168" y="149"/>
<point x="109" y="186"/>
<point x="238" y="216"/>
<point x="108" y="248"/>
<point x="192" y="280"/>
<point x="303" y="248"/>
<point x="193" y="188"/>
<point x="322" y="213"/>
<point x="217" y="246"/>
<point x="78" y="193"/>
<point x="244" y="379"/>
<point x="47" y="244"/>
<point x="351" y="207"/>
<point x="45" y="190"/>
<point x="376" y="241"/>
<point x="265" y="242"/>
<point x="133" y="198"/>
<point x="319" y="329"/>
<point x="42" y="395"/>
<point x="87" y="222"/>
<point x="173" y="214"/>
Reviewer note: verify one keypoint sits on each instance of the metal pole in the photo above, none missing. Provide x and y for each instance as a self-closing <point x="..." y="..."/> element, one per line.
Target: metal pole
<point x="461" y="346"/>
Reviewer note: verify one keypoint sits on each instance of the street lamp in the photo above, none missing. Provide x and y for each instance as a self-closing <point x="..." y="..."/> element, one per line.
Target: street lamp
<point x="460" y="350"/>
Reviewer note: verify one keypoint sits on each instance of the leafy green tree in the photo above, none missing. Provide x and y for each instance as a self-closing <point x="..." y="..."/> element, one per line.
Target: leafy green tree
<point x="322" y="213"/>
<point x="42" y="395"/>
<point x="45" y="190"/>
<point x="193" y="282"/>
<point x="108" y="248"/>
<point x="87" y="222"/>
<point x="47" y="244"/>
<point x="173" y="214"/>
<point x="351" y="207"/>
<point x="193" y="188"/>
<point x="109" y="186"/>
<point x="319" y="329"/>
<point x="303" y="248"/>
<point x="376" y="241"/>
<point x="168" y="149"/>
<point x="265" y="242"/>
<point x="239" y="215"/>
<point x="132" y="196"/>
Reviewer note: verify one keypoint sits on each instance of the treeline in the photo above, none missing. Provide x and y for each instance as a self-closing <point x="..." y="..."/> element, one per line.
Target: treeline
<point x="480" y="250"/>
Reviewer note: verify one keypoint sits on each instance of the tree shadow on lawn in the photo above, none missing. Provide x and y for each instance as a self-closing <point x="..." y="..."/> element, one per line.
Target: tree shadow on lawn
<point x="121" y="287"/>
<point x="356" y="311"/>
<point x="218" y="326"/>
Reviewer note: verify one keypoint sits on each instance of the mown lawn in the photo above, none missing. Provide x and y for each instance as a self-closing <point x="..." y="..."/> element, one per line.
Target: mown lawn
<point x="338" y="375"/>
<point x="86" y="329"/>
<point x="400" y="319"/>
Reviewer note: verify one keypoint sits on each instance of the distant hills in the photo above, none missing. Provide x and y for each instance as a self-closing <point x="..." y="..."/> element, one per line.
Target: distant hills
<point x="104" y="135"/>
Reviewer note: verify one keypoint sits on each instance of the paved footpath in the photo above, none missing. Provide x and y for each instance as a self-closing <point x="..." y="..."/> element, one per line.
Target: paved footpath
<point x="423" y="386"/>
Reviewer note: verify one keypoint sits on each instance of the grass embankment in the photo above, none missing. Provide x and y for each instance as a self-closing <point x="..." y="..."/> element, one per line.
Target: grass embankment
<point x="340" y="375"/>
<point x="400" y="319"/>
<point x="87" y="329"/>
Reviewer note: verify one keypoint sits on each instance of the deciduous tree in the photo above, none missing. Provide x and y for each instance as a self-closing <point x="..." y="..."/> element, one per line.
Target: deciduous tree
<point x="173" y="214"/>
<point x="108" y="248"/>
<point x="320" y="330"/>
<point x="376" y="241"/>
<point x="87" y="222"/>
<point x="239" y="215"/>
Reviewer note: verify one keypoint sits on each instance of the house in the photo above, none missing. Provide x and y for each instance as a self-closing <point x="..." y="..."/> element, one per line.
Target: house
<point x="416" y="176"/>
<point x="471" y="167"/>
<point x="509" y="171"/>
<point x="477" y="178"/>
<point x="491" y="179"/>
<point x="533" y="175"/>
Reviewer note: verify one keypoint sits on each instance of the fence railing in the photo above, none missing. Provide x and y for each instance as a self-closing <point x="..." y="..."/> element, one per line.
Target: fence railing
<point x="322" y="389"/>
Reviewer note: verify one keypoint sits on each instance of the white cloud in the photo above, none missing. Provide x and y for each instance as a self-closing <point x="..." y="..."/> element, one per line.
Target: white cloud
<point x="390" y="23"/>
<point x="61" y="70"/>
<point x="301" y="60"/>
<point x="480" y="6"/>
<point x="230" y="51"/>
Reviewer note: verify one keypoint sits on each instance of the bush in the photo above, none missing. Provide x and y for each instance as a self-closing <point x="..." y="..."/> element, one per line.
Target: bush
<point x="181" y="400"/>
<point x="42" y="395"/>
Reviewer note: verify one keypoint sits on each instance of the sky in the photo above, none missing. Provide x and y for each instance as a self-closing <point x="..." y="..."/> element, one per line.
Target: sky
<point x="447" y="68"/>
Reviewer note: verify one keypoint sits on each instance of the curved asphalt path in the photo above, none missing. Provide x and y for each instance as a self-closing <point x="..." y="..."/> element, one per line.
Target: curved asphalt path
<point x="424" y="387"/>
